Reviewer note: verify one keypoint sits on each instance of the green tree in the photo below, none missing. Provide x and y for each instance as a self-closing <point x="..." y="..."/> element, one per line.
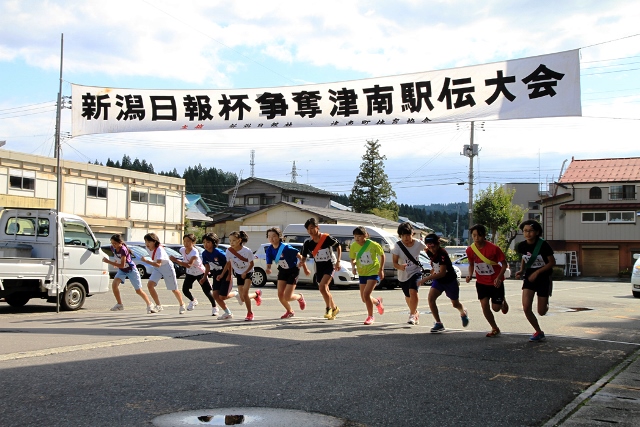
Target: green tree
<point x="372" y="189"/>
<point x="493" y="207"/>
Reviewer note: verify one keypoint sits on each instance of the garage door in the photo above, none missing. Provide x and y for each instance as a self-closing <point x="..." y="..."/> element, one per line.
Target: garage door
<point x="600" y="262"/>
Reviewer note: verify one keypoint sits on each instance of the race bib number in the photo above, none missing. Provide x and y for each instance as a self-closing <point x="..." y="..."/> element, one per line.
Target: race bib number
<point x="282" y="263"/>
<point x="366" y="259"/>
<point x="539" y="262"/>
<point x="436" y="268"/>
<point x="323" y="255"/>
<point x="483" y="269"/>
<point x="213" y="266"/>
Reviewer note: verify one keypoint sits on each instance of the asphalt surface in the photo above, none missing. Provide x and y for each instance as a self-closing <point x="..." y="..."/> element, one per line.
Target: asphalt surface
<point x="99" y="368"/>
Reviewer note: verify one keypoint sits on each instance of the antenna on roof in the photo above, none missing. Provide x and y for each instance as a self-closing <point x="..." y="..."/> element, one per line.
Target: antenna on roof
<point x="294" y="173"/>
<point x="252" y="163"/>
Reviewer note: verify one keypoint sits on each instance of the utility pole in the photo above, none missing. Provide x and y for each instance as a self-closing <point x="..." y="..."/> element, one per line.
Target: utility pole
<point x="470" y="150"/>
<point x="58" y="255"/>
<point x="294" y="173"/>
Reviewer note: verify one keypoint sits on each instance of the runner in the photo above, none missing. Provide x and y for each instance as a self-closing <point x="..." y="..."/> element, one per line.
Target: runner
<point x="444" y="279"/>
<point x="319" y="247"/>
<point x="368" y="257"/>
<point x="536" y="268"/>
<point x="286" y="258"/>
<point x="485" y="257"/>
<point x="406" y="254"/>
<point x="162" y="267"/>
<point x="240" y="262"/>
<point x="214" y="261"/>
<point x="192" y="261"/>
<point x="126" y="270"/>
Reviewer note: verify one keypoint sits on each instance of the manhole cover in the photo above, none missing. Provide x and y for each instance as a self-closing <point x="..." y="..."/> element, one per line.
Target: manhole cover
<point x="253" y="417"/>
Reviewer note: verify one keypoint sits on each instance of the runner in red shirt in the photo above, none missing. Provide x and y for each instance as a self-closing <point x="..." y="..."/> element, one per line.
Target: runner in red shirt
<point x="489" y="264"/>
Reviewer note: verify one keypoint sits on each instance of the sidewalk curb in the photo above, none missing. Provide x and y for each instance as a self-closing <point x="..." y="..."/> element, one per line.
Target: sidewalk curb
<point x="586" y="395"/>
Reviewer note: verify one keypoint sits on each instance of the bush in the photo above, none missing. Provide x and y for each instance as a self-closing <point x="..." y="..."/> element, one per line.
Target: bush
<point x="557" y="273"/>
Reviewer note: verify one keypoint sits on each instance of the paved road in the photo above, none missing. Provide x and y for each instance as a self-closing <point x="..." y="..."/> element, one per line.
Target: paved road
<point x="94" y="367"/>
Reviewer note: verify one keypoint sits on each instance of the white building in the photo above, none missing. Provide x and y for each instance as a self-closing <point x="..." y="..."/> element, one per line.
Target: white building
<point x="111" y="200"/>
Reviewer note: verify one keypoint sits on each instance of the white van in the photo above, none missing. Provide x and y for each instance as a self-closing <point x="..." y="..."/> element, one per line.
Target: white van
<point x="344" y="234"/>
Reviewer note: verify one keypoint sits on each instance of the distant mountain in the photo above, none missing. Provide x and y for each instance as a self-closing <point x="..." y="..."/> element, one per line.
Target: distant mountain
<point x="462" y="207"/>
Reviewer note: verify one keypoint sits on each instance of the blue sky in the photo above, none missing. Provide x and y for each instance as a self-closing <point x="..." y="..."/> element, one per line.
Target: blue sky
<point x="166" y="44"/>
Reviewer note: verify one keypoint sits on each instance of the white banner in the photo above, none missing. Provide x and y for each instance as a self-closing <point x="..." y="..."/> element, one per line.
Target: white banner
<point x="539" y="86"/>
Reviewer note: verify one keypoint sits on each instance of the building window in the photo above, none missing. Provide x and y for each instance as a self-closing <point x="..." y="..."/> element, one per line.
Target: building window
<point x="96" y="189"/>
<point x="298" y="200"/>
<point x="594" y="217"/>
<point x="595" y="193"/>
<point x="622" y="216"/>
<point x="285" y="198"/>
<point x="252" y="200"/>
<point x="140" y="197"/>
<point x="536" y="216"/>
<point x="22" y="180"/>
<point x="622" y="192"/>
<point x="534" y="206"/>
<point x="157" y="199"/>
<point x="268" y="200"/>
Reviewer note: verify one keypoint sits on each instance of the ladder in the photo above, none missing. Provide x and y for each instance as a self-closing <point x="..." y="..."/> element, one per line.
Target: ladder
<point x="573" y="264"/>
<point x="235" y="190"/>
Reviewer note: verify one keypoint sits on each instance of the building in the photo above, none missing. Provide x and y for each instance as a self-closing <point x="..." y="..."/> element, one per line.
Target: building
<point x="111" y="200"/>
<point x="593" y="212"/>
<point x="256" y="193"/>
<point x="256" y="224"/>
<point x="196" y="210"/>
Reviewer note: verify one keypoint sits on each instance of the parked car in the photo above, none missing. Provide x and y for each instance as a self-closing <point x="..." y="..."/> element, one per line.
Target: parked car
<point x="635" y="277"/>
<point x="343" y="277"/>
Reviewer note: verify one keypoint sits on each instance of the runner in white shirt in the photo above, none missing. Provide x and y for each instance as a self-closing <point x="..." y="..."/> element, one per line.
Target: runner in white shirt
<point x="161" y="268"/>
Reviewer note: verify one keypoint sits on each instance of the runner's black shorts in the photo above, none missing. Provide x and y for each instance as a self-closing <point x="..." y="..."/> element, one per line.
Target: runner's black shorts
<point x="489" y="291"/>
<point x="289" y="275"/>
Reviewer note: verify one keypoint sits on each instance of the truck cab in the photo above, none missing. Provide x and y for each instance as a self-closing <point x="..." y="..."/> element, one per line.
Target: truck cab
<point x="28" y="258"/>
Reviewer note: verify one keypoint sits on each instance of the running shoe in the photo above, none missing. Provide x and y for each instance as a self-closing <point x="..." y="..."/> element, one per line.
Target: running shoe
<point x="192" y="305"/>
<point x="417" y="318"/>
<point x="159" y="307"/>
<point x="287" y="315"/>
<point x="182" y="309"/>
<point x="494" y="333"/>
<point x="249" y="317"/>
<point x="369" y="320"/>
<point x="214" y="311"/>
<point x="258" y="297"/>
<point x="328" y="313"/>
<point x="505" y="307"/>
<point x="335" y="313"/>
<point x="465" y="319"/>
<point x="537" y="337"/>
<point x="437" y="327"/>
<point x="117" y="307"/>
<point x="412" y="320"/>
<point x="225" y="316"/>
<point x="302" y="302"/>
<point x="239" y="298"/>
<point x="380" y="306"/>
<point x="151" y="309"/>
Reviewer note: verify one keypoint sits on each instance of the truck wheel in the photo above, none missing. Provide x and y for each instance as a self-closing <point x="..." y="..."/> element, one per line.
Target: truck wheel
<point x="17" y="300"/>
<point x="259" y="278"/>
<point x="73" y="297"/>
<point x="635" y="294"/>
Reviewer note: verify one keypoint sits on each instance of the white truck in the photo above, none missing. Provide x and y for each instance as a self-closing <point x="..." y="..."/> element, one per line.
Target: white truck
<point x="28" y="258"/>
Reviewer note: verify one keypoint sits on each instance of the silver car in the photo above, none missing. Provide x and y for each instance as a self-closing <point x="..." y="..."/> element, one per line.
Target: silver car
<point x="343" y="277"/>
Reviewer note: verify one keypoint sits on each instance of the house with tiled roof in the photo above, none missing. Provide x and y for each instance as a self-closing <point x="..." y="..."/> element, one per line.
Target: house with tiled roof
<point x="257" y="193"/>
<point x="196" y="209"/>
<point x="593" y="211"/>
